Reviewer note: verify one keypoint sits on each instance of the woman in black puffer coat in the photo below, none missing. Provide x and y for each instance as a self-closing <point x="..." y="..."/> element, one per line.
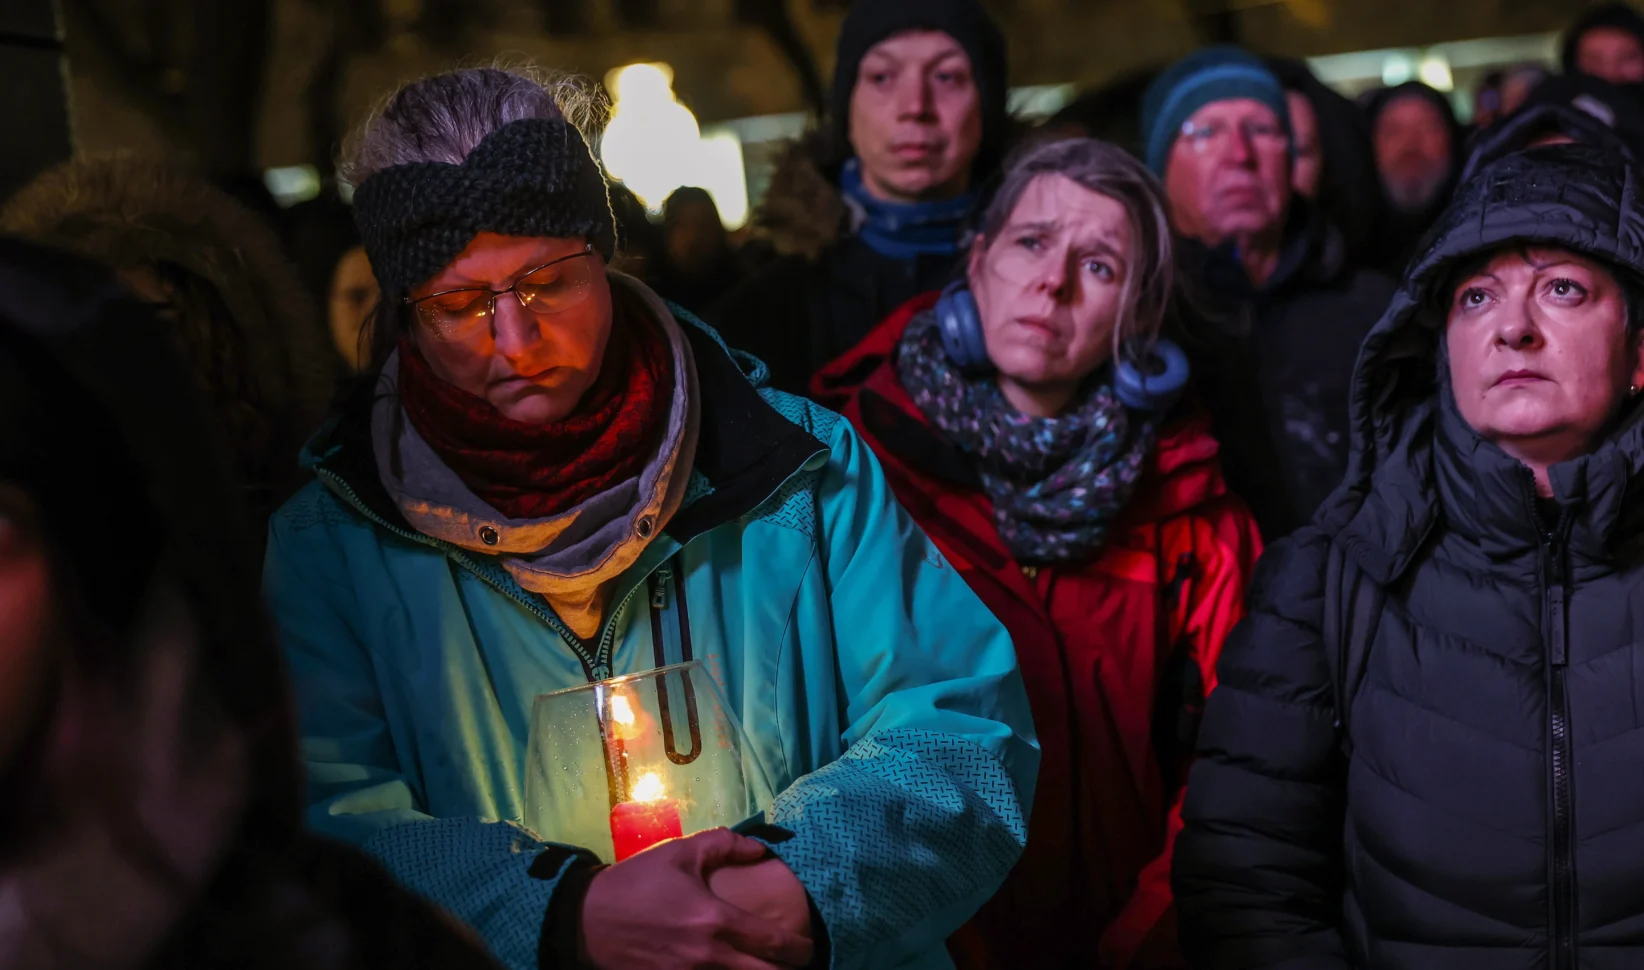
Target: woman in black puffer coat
<point x="1427" y="746"/>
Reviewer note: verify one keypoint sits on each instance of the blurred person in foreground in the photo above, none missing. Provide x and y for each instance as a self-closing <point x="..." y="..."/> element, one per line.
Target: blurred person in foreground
<point x="217" y="275"/>
<point x="152" y="810"/>
<point x="1418" y="151"/>
<point x="1029" y="420"/>
<point x="1423" y="749"/>
<point x="1334" y="167"/>
<point x="1607" y="42"/>
<point x="698" y="263"/>
<point x="870" y="210"/>
<point x="1285" y="307"/>
<point x="550" y="479"/>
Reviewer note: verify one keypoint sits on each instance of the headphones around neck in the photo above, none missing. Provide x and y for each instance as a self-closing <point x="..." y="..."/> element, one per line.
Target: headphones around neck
<point x="1155" y="386"/>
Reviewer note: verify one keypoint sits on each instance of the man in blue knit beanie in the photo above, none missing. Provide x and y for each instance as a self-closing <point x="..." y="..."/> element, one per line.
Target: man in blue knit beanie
<point x="1216" y="129"/>
<point x="1289" y="310"/>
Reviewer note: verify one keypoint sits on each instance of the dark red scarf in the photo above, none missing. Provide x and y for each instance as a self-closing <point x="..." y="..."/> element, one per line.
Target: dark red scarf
<point x="534" y="471"/>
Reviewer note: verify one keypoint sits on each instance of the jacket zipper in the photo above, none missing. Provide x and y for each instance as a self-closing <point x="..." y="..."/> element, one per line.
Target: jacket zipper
<point x="595" y="667"/>
<point x="1555" y="635"/>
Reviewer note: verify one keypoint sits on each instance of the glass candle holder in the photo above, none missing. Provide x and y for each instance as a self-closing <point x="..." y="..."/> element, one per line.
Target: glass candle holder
<point x="619" y="765"/>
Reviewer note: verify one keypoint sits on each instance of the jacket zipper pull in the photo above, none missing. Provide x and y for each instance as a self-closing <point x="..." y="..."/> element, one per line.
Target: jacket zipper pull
<point x="659" y="590"/>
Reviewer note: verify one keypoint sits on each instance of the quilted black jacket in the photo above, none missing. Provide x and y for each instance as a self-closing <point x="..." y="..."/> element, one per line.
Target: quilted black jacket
<point x="1484" y="806"/>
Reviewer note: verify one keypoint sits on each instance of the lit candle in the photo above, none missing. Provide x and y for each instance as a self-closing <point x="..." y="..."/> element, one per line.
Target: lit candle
<point x="648" y="819"/>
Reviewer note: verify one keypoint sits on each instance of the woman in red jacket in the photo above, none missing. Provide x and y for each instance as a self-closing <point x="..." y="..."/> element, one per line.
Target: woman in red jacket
<point x="1027" y="417"/>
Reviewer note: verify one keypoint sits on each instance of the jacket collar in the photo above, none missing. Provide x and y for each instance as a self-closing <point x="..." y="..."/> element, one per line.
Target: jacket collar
<point x="1182" y="473"/>
<point x="745" y="450"/>
<point x="1314" y="254"/>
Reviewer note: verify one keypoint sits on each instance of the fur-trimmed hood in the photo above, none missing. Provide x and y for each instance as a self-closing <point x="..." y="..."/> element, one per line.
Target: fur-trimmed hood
<point x="244" y="317"/>
<point x="804" y="211"/>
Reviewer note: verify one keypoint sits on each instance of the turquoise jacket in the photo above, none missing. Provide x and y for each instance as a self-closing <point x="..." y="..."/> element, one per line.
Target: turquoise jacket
<point x="878" y="694"/>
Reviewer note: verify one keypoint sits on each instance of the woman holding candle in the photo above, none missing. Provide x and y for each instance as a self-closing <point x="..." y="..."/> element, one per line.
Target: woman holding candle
<point x="553" y="478"/>
<point x="1028" y="418"/>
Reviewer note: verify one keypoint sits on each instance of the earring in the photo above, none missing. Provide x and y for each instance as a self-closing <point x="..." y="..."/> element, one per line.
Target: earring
<point x="1632" y="390"/>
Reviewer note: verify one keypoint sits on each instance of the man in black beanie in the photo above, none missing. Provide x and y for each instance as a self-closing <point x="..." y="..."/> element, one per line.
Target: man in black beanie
<point x="869" y="210"/>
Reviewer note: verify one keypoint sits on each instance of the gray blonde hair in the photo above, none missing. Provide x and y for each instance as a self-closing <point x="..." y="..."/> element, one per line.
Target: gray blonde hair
<point x="1150" y="283"/>
<point x="444" y="117"/>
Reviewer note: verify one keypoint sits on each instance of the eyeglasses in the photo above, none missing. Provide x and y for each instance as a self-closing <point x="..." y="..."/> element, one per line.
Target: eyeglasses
<point x="1258" y="134"/>
<point x="553" y="287"/>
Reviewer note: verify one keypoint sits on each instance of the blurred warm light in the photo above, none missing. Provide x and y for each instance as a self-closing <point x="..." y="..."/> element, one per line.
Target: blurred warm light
<point x="653" y="145"/>
<point x="1435" y="73"/>
<point x="720" y="171"/>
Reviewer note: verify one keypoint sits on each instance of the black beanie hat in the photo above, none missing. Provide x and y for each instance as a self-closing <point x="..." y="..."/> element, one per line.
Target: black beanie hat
<point x="871" y="21"/>
<point x="1619" y="16"/>
<point x="533" y="177"/>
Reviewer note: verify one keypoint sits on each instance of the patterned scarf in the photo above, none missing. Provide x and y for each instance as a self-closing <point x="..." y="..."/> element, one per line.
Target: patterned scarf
<point x="1058" y="483"/>
<point x="529" y="471"/>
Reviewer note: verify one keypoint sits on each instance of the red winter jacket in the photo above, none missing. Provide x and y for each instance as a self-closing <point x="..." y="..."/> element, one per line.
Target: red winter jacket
<point x="1118" y="654"/>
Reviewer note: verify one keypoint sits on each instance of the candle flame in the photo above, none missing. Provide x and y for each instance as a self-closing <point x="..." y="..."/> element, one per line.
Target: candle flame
<point x="621" y="711"/>
<point x="648" y="788"/>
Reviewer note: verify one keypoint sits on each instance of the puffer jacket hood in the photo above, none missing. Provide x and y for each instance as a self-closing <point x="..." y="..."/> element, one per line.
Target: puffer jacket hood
<point x="1579" y="197"/>
<point x="804" y="212"/>
<point x="1536" y="120"/>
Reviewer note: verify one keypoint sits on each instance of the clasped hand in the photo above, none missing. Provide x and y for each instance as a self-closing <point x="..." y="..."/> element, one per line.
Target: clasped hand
<point x="713" y="900"/>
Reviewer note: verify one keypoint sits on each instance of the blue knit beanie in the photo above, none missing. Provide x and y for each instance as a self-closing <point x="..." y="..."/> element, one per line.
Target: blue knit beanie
<point x="1203" y="77"/>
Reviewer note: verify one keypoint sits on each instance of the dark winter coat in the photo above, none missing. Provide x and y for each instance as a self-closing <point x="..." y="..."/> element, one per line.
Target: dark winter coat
<point x="1273" y="364"/>
<point x="1118" y="653"/>
<point x="827" y="289"/>
<point x="1484" y="805"/>
<point x="252" y="336"/>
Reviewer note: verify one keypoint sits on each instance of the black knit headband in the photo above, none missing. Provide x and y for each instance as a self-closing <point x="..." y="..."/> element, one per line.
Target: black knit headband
<point x="528" y="178"/>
